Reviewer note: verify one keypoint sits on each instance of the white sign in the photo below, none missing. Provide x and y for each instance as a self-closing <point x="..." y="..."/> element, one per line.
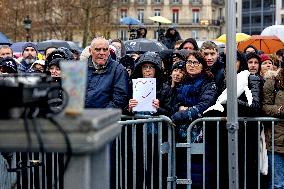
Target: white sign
<point x="144" y="91"/>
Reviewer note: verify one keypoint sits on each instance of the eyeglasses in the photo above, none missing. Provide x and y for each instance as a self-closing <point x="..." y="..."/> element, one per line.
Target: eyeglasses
<point x="99" y="49"/>
<point x="148" y="67"/>
<point x="195" y="63"/>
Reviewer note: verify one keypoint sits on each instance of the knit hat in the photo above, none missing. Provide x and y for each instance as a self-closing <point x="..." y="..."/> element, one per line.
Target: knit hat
<point x="55" y="62"/>
<point x="265" y="57"/>
<point x="179" y="65"/>
<point x="30" y="44"/>
<point x="10" y="64"/>
<point x="182" y="54"/>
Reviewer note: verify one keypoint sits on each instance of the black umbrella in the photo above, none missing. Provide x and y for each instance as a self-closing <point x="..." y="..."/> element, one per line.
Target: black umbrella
<point x="52" y="43"/>
<point x="143" y="45"/>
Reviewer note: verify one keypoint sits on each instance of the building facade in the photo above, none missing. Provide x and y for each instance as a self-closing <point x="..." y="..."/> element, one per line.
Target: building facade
<point x="199" y="19"/>
<point x="255" y="15"/>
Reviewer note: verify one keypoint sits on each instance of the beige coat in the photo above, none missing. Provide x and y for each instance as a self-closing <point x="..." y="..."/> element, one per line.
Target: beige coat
<point x="273" y="99"/>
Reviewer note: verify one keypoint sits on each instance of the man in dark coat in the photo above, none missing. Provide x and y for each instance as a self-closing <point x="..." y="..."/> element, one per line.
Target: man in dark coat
<point x="107" y="82"/>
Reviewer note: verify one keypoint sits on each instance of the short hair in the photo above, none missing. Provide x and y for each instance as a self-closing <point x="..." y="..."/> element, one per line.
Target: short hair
<point x="6" y="47"/>
<point x="49" y="48"/>
<point x="97" y="39"/>
<point x="209" y="45"/>
<point x="280" y="52"/>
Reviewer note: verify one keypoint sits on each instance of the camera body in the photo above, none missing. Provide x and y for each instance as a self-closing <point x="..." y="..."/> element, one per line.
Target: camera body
<point x="33" y="91"/>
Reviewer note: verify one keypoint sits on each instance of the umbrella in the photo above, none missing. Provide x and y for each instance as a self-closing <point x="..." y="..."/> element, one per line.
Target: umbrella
<point x="130" y="21"/>
<point x="18" y="46"/>
<point x="239" y="37"/>
<point x="143" y="45"/>
<point x="267" y="44"/>
<point x="52" y="43"/>
<point x="160" y="19"/>
<point x="4" y="39"/>
<point x="277" y="30"/>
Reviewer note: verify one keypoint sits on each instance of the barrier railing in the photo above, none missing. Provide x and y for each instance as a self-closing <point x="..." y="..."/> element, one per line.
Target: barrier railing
<point x="149" y="142"/>
<point x="199" y="148"/>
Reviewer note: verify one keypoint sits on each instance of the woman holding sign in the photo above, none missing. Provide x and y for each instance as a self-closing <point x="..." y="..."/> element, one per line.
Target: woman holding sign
<point x="150" y="97"/>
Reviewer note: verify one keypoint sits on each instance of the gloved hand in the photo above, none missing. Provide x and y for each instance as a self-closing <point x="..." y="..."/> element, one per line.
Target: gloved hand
<point x="181" y="117"/>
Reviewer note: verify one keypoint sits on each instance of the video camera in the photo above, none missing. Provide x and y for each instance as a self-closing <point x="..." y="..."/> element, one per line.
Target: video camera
<point x="32" y="91"/>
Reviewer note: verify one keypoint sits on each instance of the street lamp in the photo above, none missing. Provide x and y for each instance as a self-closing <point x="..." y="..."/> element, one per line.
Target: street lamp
<point x="28" y="25"/>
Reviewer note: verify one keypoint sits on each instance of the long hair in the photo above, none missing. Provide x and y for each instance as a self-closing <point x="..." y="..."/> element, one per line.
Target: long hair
<point x="280" y="79"/>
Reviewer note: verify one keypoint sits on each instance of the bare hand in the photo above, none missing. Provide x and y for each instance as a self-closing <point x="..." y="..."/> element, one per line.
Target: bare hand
<point x="132" y="103"/>
<point x="156" y="103"/>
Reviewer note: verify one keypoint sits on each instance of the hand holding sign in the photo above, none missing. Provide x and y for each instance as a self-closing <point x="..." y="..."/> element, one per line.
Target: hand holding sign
<point x="144" y="91"/>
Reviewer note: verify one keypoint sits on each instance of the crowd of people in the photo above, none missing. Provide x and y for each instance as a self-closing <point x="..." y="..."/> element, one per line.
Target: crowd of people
<point x="189" y="80"/>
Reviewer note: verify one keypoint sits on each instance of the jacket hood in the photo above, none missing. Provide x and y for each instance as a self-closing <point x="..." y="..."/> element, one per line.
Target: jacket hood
<point x="151" y="58"/>
<point x="189" y="40"/>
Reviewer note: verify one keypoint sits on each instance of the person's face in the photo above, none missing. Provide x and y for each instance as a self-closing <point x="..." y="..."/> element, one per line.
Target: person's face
<point x="142" y="32"/>
<point x="249" y="50"/>
<point x="135" y="56"/>
<point x="188" y="46"/>
<point x="55" y="71"/>
<point x="172" y="32"/>
<point x="176" y="59"/>
<point x="100" y="51"/>
<point x="177" y="75"/>
<point x="148" y="70"/>
<point x="129" y="71"/>
<point x="193" y="67"/>
<point x="6" y="52"/>
<point x="4" y="70"/>
<point x="266" y="65"/>
<point x="116" y="44"/>
<point x="253" y="65"/>
<point x="29" y="53"/>
<point x="210" y="55"/>
<point x="48" y="51"/>
<point x="238" y="65"/>
<point x="38" y="67"/>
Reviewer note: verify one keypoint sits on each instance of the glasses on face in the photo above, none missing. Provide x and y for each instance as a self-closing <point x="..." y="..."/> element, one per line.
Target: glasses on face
<point x="99" y="49"/>
<point x="191" y="62"/>
<point x="148" y="67"/>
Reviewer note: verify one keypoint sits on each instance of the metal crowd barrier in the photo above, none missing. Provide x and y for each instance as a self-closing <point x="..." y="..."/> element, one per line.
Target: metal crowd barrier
<point x="145" y="153"/>
<point x="199" y="148"/>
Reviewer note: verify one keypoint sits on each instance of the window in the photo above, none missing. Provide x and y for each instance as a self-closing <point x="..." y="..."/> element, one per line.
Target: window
<point x="282" y="18"/>
<point x="194" y="34"/>
<point x="157" y="1"/>
<point x="123" y="1"/>
<point x="195" y="16"/>
<point x="123" y="35"/>
<point x="175" y="16"/>
<point x="175" y="1"/>
<point x="141" y="15"/>
<point x="282" y="4"/>
<point x="157" y="12"/>
<point x="140" y="1"/>
<point x="123" y="13"/>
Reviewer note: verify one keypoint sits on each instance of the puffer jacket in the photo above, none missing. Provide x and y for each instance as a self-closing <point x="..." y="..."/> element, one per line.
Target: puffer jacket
<point x="255" y="84"/>
<point x="273" y="99"/>
<point x="107" y="88"/>
<point x="198" y="93"/>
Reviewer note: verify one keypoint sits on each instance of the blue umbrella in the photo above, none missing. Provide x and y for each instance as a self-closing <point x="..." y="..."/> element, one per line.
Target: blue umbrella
<point x="4" y="39"/>
<point x="130" y="21"/>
